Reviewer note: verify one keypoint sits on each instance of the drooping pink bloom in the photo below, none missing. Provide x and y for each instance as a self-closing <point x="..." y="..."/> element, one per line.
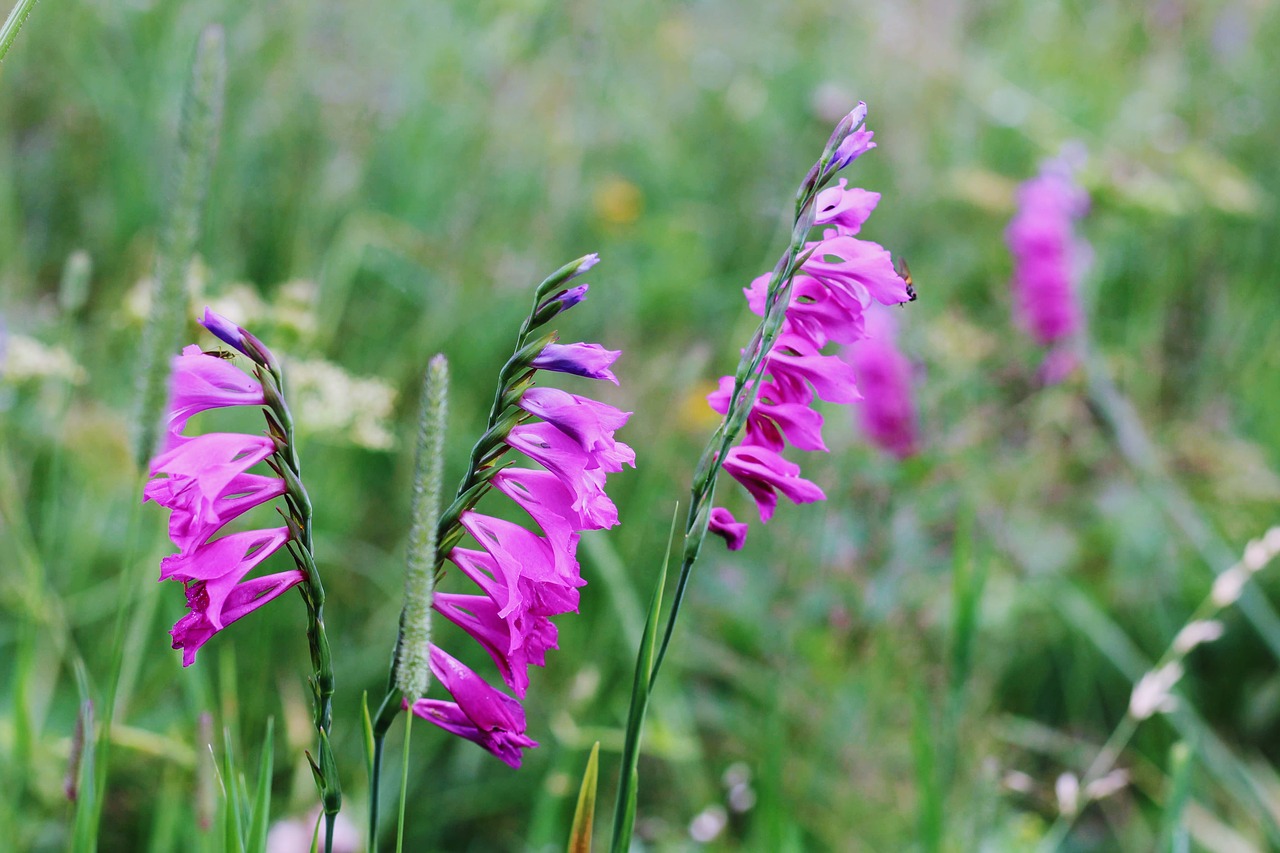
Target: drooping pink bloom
<point x="205" y="483"/>
<point x="1047" y="256"/>
<point x="478" y="713"/>
<point x="839" y="281"/>
<point x="887" y="412"/>
<point x="765" y="473"/>
<point x="723" y="524"/>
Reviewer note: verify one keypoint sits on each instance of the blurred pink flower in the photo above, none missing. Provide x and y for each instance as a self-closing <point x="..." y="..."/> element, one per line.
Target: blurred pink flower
<point x="1047" y="256"/>
<point x="887" y="411"/>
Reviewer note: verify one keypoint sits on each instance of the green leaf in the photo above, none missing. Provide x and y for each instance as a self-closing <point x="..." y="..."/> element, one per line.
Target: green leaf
<point x="585" y="814"/>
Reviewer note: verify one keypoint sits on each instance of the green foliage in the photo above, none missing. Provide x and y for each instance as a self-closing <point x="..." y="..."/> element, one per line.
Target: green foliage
<point x="921" y="656"/>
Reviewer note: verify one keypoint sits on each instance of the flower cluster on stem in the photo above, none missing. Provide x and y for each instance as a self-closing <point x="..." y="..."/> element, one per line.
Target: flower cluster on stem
<point x="820" y="293"/>
<point x="524" y="574"/>
<point x="207" y="483"/>
<point x="815" y="296"/>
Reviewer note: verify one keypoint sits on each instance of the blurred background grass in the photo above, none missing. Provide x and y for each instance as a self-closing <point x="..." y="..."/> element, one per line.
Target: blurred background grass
<point x="391" y="181"/>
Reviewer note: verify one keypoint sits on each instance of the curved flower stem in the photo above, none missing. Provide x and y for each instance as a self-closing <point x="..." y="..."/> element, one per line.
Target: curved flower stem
<point x="386" y="715"/>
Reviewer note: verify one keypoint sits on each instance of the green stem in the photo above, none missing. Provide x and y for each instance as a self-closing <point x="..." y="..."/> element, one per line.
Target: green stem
<point x="381" y="725"/>
<point x="746" y="385"/>
<point x="13" y="23"/>
<point x="404" y="783"/>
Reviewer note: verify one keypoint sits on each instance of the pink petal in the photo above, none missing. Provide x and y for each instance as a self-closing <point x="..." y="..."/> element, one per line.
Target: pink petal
<point x="722" y="523"/>
<point x="222" y="563"/>
<point x="763" y="472"/>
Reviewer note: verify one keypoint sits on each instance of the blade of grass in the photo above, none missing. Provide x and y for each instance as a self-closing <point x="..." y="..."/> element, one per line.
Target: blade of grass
<point x="89" y="789"/>
<point x="233" y="814"/>
<point x="585" y="813"/>
<point x="1173" y="834"/>
<point x="924" y="746"/>
<point x="13" y="23"/>
<point x="261" y="817"/>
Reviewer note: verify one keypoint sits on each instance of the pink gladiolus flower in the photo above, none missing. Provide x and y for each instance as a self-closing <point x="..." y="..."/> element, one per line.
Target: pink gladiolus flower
<point x="839" y="279"/>
<point x="195" y="628"/>
<point x="478" y="713"/>
<point x="887" y="411"/>
<point x="1047" y="256"/>
<point x="204" y="482"/>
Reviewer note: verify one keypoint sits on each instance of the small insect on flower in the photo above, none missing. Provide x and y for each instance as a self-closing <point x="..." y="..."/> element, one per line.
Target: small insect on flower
<point x="904" y="272"/>
<point x="224" y="354"/>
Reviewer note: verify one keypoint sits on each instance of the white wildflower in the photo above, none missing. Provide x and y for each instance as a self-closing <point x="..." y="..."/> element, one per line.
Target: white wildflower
<point x="1100" y="789"/>
<point x="1016" y="780"/>
<point x="1152" y="694"/>
<point x="26" y="358"/>
<point x="1067" y="790"/>
<point x="1272" y="540"/>
<point x="1256" y="555"/>
<point x="327" y="399"/>
<point x="1195" y="633"/>
<point x="708" y="823"/>
<point x="1228" y="586"/>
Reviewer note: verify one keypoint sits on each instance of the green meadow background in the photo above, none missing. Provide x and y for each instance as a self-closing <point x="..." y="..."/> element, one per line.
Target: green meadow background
<point x="912" y="664"/>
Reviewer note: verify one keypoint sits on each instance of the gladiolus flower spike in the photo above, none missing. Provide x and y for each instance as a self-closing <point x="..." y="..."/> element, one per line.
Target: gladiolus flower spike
<point x="818" y="294"/>
<point x="526" y="573"/>
<point x="205" y="483"/>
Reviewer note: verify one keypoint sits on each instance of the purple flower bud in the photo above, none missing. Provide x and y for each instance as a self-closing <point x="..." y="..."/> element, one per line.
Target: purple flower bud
<point x="589" y="360"/>
<point x="222" y="328"/>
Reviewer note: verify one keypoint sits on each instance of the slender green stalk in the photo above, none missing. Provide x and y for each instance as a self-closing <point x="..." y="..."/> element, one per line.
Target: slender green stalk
<point x="13" y="23"/>
<point x="404" y="782"/>
<point x="411" y="664"/>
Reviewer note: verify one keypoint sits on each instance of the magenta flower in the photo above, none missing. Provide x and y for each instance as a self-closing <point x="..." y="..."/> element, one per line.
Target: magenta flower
<point x="840" y="278"/>
<point x="204" y="482"/>
<point x="1047" y="256"/>
<point x="479" y="713"/>
<point x="527" y="574"/>
<point x="887" y="412"/>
